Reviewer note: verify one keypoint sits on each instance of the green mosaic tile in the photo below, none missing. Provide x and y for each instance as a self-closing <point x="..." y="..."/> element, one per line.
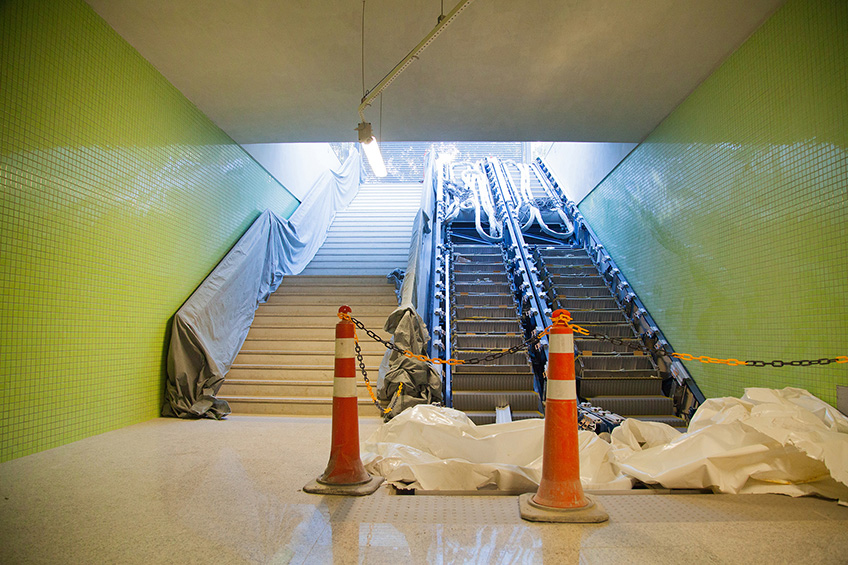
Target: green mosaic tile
<point x="117" y="198"/>
<point x="731" y="219"/>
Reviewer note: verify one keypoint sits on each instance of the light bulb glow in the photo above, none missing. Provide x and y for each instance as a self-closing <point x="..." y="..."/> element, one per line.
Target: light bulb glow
<point x="375" y="158"/>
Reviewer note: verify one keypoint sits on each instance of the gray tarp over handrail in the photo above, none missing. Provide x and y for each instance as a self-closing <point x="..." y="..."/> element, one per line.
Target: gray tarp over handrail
<point x="421" y="384"/>
<point x="210" y="328"/>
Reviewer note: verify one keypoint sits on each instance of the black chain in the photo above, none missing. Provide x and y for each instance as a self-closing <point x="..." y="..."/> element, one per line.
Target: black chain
<point x="799" y="363"/>
<point x="537" y="337"/>
<point x="470" y="361"/>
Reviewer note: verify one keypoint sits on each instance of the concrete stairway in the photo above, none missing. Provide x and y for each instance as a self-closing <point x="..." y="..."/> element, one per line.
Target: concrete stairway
<point x="286" y="363"/>
<point x="371" y="236"/>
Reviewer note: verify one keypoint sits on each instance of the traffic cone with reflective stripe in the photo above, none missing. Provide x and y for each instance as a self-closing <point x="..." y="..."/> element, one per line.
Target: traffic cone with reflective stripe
<point x="560" y="496"/>
<point x="345" y="473"/>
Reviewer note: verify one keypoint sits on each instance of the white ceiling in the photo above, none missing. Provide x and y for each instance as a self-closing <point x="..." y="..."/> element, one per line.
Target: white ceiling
<point x="505" y="70"/>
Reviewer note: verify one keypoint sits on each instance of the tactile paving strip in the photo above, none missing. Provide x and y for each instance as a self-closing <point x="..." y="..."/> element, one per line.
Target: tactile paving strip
<point x="430" y="510"/>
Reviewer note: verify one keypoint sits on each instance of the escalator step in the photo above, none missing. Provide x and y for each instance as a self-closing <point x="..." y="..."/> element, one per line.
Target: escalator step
<point x="602" y="346"/>
<point x="486" y="342"/>
<point x="617" y="386"/>
<point x="624" y="330"/>
<point x="483" y="418"/>
<point x="672" y="421"/>
<point x="577" y="281"/>
<point x="488" y="327"/>
<point x="483" y="400"/>
<point x="641" y="405"/>
<point x="474" y="278"/>
<point x="492" y="381"/>
<point x="572" y="304"/>
<point x="549" y="253"/>
<point x="577" y="291"/>
<point x="490" y="369"/>
<point x="484" y="312"/>
<point x="461" y="248"/>
<point x="615" y="363"/>
<point x="598" y="316"/>
<point x="478" y="268"/>
<point x="569" y="261"/>
<point x="511" y="359"/>
<point x="464" y="299"/>
<point x="482" y="287"/>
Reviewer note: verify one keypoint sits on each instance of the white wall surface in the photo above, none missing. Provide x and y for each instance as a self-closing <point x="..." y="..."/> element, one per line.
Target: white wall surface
<point x="579" y="167"/>
<point x="295" y="165"/>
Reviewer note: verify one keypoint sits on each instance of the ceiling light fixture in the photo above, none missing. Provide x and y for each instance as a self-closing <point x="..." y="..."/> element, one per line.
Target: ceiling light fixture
<point x="366" y="137"/>
<point x="372" y="150"/>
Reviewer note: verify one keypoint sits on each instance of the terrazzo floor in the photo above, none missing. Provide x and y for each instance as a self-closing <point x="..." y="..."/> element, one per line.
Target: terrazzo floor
<point x="173" y="491"/>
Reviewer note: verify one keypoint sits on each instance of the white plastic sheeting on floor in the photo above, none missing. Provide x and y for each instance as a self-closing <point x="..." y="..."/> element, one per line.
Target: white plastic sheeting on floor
<point x="769" y="441"/>
<point x="433" y="448"/>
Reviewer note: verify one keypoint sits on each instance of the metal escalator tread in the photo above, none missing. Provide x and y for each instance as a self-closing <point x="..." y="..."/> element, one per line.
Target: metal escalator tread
<point x="622" y="365"/>
<point x="582" y="291"/>
<point x="642" y="405"/>
<point x="484" y="312"/>
<point x="487" y="342"/>
<point x="492" y="381"/>
<point x="581" y="317"/>
<point x="618" y="386"/>
<point x="483" y="326"/>
<point x="486" y="369"/>
<point x="672" y="421"/>
<point x="482" y="400"/>
<point x="587" y="346"/>
<point x="489" y="299"/>
<point x="488" y="417"/>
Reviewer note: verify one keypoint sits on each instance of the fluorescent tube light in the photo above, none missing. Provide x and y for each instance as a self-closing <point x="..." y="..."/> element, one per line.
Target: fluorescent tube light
<point x="372" y="150"/>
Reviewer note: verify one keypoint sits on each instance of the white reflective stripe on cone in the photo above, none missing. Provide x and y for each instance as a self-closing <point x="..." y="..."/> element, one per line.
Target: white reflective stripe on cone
<point x="345" y="348"/>
<point x="561" y="343"/>
<point x="344" y="387"/>
<point x="562" y="389"/>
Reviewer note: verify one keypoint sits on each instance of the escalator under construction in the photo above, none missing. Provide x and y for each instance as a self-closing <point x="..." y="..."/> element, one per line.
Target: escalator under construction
<point x="511" y="249"/>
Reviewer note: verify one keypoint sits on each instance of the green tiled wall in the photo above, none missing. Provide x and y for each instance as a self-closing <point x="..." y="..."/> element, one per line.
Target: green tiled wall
<point x="118" y="198"/>
<point x="731" y="219"/>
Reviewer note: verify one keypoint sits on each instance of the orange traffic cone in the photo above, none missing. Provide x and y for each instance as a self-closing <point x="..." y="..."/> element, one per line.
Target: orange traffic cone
<point x="560" y="496"/>
<point x="345" y="473"/>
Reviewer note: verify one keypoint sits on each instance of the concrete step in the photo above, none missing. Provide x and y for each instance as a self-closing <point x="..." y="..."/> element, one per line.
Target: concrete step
<point x="256" y="372"/>
<point x="300" y="358"/>
<point x="325" y="309"/>
<point x="316" y="297"/>
<point x="325" y="346"/>
<point x="293" y="406"/>
<point x="299" y="331"/>
<point x="325" y="321"/>
<point x="353" y="261"/>
<point x="353" y="282"/>
<point x="284" y="389"/>
<point x="329" y="291"/>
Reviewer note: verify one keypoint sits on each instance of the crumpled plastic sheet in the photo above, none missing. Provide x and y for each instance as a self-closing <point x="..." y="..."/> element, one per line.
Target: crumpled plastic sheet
<point x="769" y="441"/>
<point x="434" y="448"/>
